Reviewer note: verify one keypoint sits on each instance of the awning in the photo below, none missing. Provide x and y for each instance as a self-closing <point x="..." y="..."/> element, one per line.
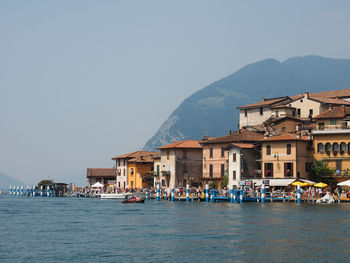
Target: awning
<point x="307" y="181"/>
<point x="345" y="183"/>
<point x="275" y="182"/>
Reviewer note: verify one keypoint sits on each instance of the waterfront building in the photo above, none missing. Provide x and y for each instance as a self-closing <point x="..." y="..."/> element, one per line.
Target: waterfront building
<point x="215" y="155"/>
<point x="287" y="124"/>
<point x="332" y="140"/>
<point x="140" y="171"/>
<point x="121" y="164"/>
<point x="159" y="178"/>
<point x="181" y="163"/>
<point x="243" y="163"/>
<point x="104" y="176"/>
<point x="286" y="156"/>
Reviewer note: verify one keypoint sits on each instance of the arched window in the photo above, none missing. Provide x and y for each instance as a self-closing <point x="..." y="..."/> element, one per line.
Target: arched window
<point x="349" y="147"/>
<point x="289" y="148"/>
<point x="335" y="147"/>
<point x="268" y="149"/>
<point x="320" y="147"/>
<point x="343" y="147"/>
<point x="328" y="147"/>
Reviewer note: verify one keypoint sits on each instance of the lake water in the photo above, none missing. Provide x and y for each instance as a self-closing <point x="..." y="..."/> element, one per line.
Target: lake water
<point x="39" y="229"/>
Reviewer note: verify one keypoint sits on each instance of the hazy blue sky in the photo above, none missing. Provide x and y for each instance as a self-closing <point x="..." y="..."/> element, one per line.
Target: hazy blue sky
<point x="83" y="81"/>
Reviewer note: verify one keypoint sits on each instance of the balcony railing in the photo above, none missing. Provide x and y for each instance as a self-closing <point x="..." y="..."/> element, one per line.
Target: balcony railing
<point x="342" y="126"/>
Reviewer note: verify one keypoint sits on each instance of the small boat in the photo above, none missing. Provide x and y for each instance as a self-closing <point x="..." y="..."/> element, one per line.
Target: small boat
<point x="114" y="196"/>
<point x="132" y="200"/>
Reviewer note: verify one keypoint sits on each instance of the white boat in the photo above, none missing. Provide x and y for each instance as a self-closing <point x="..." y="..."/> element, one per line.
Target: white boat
<point x="114" y="195"/>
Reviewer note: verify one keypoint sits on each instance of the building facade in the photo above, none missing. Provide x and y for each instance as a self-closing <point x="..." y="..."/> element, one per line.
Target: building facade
<point x="104" y="176"/>
<point x="287" y="156"/>
<point x="181" y="164"/>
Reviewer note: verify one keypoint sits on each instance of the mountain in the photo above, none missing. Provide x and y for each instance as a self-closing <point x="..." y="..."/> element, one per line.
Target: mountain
<point x="212" y="110"/>
<point x="6" y="181"/>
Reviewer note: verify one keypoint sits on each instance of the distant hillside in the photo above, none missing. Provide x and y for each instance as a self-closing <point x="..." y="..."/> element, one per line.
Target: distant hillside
<point x="212" y="110"/>
<point x="6" y="181"/>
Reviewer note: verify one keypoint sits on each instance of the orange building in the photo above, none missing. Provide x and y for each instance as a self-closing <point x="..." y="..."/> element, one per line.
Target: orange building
<point x="140" y="171"/>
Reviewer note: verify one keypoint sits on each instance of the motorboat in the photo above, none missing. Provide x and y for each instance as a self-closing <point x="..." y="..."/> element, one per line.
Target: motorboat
<point x="114" y="195"/>
<point x="133" y="200"/>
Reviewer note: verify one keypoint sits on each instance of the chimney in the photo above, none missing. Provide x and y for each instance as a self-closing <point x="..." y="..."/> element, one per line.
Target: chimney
<point x="229" y="132"/>
<point x="306" y="95"/>
<point x="264" y="99"/>
<point x="205" y="137"/>
<point x="239" y="131"/>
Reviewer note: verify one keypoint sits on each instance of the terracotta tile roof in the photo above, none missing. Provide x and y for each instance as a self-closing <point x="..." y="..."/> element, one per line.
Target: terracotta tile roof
<point x="141" y="159"/>
<point x="285" y="137"/>
<point x="330" y="101"/>
<point x="283" y="106"/>
<point x="266" y="102"/>
<point x="243" y="145"/>
<point x="333" y="93"/>
<point x="101" y="172"/>
<point x="242" y="136"/>
<point x="182" y="144"/>
<point x="337" y="112"/>
<point x="275" y="120"/>
<point x="136" y="154"/>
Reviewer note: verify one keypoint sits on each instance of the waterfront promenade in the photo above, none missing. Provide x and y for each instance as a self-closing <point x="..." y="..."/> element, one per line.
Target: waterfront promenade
<point x="94" y="230"/>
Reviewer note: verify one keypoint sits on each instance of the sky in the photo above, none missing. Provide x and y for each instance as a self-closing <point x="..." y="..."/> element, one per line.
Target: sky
<point x="82" y="81"/>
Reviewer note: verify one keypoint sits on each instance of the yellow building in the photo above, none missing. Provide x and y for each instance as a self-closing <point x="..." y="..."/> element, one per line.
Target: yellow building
<point x="140" y="171"/>
<point x="286" y="156"/>
<point x="332" y="139"/>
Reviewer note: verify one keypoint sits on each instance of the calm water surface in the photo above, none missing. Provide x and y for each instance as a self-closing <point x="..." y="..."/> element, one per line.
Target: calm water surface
<point x="92" y="230"/>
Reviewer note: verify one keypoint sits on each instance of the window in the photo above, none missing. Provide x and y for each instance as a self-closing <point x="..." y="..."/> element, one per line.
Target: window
<point x="289" y="148"/>
<point x="321" y="125"/>
<point x="328" y="147"/>
<point x="157" y="170"/>
<point x="276" y="113"/>
<point x="163" y="182"/>
<point x="234" y="157"/>
<point x="245" y="112"/>
<point x="338" y="166"/>
<point x="308" y="167"/>
<point x="311" y="112"/>
<point x="124" y="172"/>
<point x="124" y="185"/>
<point x="118" y="162"/>
<point x="167" y="154"/>
<point x="119" y="184"/>
<point x="349" y="147"/>
<point x="132" y="171"/>
<point x="333" y="122"/>
<point x="234" y="175"/>
<point x="261" y="110"/>
<point x="211" y="170"/>
<point x="268" y="169"/>
<point x="283" y="129"/>
<point x="343" y="147"/>
<point x="293" y="113"/>
<point x="119" y="172"/>
<point x="132" y="184"/>
<point x="320" y="147"/>
<point x="211" y="152"/>
<point x="298" y="112"/>
<point x="288" y="169"/>
<point x="222" y="170"/>
<point x="268" y="149"/>
<point x="335" y="147"/>
<point x="222" y="152"/>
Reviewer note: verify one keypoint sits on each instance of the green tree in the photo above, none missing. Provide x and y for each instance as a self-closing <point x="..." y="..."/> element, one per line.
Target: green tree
<point x="322" y="173"/>
<point x="224" y="182"/>
<point x="45" y="182"/>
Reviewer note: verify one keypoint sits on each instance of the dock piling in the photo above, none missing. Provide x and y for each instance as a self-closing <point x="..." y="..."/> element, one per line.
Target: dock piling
<point x="263" y="193"/>
<point x="41" y="190"/>
<point x="48" y="191"/>
<point x="172" y="193"/>
<point x="33" y="190"/>
<point x="157" y="194"/>
<point x="207" y="193"/>
<point x="231" y="194"/>
<point x="187" y="192"/>
<point x="298" y="193"/>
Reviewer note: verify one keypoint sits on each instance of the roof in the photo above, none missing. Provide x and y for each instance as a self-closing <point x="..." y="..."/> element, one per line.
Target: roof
<point x="285" y="137"/>
<point x="241" y="145"/>
<point x="238" y="136"/>
<point x="337" y="112"/>
<point x="136" y="154"/>
<point x="265" y="102"/>
<point x="281" y="119"/>
<point x="101" y="172"/>
<point x="341" y="93"/>
<point x="182" y="144"/>
<point x="142" y="159"/>
<point x="329" y="100"/>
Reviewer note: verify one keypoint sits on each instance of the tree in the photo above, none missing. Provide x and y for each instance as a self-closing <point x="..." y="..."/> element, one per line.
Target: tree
<point x="224" y="182"/>
<point x="320" y="172"/>
<point x="45" y="182"/>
